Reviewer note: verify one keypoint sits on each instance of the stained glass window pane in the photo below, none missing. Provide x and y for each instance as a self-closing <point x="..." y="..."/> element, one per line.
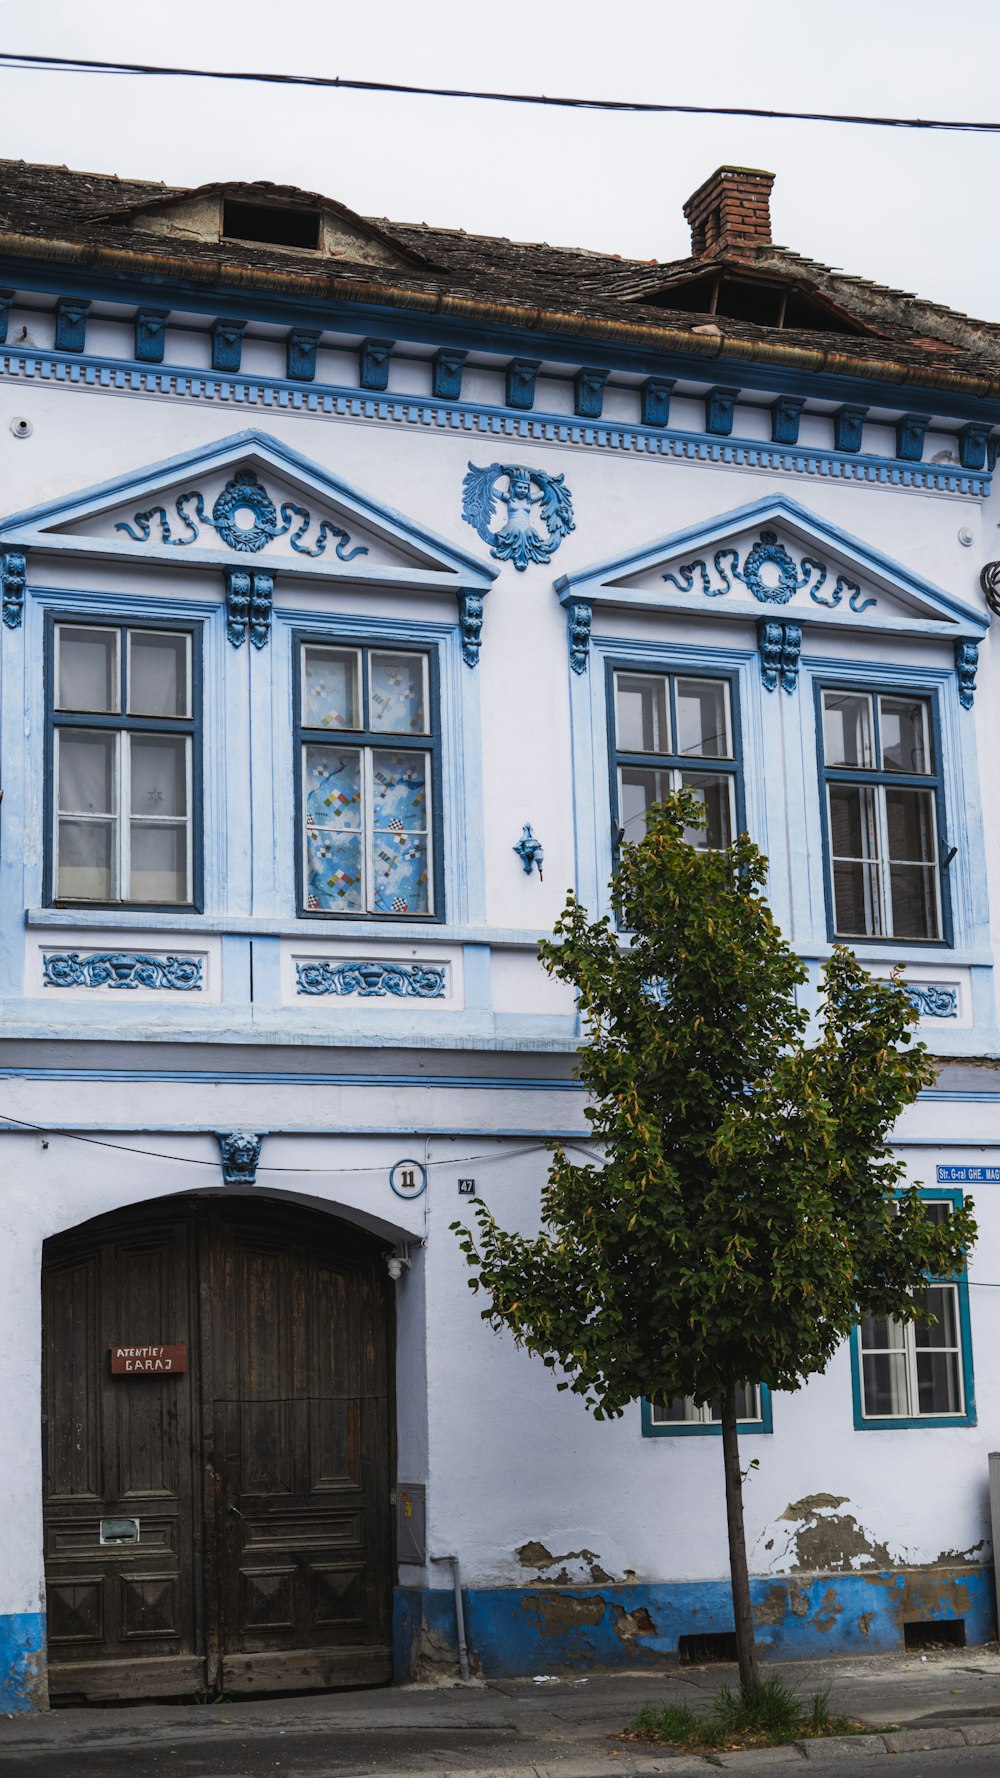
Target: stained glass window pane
<point x="641" y="714"/>
<point x="159" y="862"/>
<point x="158" y="674"/>
<point x="331" y="688"/>
<point x="87" y="669"/>
<point x="397" y="694"/>
<point x="401" y="877"/>
<point x="85" y="868"/>
<point x="334" y="856"/>
<point x="703" y="718"/>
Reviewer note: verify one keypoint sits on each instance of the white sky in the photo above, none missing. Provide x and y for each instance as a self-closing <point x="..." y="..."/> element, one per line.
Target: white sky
<point x="912" y="209"/>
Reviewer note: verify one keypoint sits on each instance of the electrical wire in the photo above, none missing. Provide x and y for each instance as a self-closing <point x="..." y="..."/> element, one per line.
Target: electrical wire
<point x="80" y="65"/>
<point x="190" y="1160"/>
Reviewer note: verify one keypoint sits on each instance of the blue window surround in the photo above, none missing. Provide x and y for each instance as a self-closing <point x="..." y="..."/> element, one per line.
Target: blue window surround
<point x="672" y="761"/>
<point x="429" y="743"/>
<point x="930" y="781"/>
<point x="144" y="724"/>
<point x="863" y="1424"/>
<point x="699" y="1429"/>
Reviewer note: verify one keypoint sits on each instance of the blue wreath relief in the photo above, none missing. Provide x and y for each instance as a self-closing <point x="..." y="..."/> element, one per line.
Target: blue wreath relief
<point x="518" y="541"/>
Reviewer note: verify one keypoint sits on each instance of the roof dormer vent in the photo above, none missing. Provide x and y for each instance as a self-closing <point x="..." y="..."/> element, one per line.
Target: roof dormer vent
<point x="274" y="225"/>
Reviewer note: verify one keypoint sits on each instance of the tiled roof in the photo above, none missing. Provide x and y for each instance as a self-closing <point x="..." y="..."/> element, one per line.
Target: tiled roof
<point x="51" y="212"/>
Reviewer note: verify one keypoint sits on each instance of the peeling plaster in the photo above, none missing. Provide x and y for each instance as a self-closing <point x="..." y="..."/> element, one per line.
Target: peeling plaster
<point x="823" y="1540"/>
<point x="537" y="1556"/>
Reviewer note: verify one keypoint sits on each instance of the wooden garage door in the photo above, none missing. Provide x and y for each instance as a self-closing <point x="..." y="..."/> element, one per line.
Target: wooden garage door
<point x="259" y="1477"/>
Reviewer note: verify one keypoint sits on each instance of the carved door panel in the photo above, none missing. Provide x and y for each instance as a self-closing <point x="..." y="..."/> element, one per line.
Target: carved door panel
<point x="259" y="1478"/>
<point x="301" y="1442"/>
<point x="122" y="1616"/>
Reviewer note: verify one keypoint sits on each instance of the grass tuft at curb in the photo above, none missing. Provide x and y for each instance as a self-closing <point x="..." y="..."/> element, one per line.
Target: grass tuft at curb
<point x="767" y="1713"/>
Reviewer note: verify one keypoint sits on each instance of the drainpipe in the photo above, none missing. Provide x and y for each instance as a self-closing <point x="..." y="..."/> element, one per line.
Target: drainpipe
<point x="463" y="1651"/>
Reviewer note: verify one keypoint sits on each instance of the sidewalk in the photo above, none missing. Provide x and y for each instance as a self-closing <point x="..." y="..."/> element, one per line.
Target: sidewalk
<point x="556" y="1728"/>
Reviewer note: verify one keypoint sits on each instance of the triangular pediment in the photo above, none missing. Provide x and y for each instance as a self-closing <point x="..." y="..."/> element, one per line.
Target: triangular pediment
<point x="774" y="559"/>
<point x="250" y="502"/>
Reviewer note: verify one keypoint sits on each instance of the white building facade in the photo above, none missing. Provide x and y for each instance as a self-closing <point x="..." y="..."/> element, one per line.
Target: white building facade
<point x="350" y="617"/>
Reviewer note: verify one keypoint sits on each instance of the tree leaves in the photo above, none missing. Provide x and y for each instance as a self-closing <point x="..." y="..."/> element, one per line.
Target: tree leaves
<point x="748" y="1210"/>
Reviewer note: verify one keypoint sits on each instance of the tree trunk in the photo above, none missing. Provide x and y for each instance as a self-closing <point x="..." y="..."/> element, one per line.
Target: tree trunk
<point x="746" y="1652"/>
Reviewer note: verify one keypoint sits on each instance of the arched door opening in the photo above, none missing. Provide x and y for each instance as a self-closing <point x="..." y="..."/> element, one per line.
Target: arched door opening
<point x="221" y="1523"/>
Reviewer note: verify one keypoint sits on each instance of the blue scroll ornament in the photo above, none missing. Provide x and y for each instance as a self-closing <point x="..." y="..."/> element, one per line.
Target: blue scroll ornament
<point x="791" y="579"/>
<point x="243" y="493"/>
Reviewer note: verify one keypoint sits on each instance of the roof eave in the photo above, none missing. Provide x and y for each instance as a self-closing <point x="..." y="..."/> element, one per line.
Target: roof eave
<point x="814" y="360"/>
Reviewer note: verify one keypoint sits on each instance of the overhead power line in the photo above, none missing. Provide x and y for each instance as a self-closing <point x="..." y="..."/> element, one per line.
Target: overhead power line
<point x="79" y="65"/>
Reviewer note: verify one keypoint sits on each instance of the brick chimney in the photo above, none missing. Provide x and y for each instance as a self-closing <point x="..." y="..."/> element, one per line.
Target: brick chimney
<point x="730" y="214"/>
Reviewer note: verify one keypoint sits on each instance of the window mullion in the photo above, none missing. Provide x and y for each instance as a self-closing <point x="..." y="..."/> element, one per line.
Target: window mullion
<point x="882" y="869"/>
<point x="124" y="802"/>
<point x="913" y="1392"/>
<point x="368" y="826"/>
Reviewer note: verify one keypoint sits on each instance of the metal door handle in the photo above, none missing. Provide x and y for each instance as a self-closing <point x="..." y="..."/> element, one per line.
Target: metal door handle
<point x="235" y="1509"/>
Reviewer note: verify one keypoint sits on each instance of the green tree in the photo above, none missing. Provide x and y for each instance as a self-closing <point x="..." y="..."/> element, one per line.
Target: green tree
<point x="748" y="1209"/>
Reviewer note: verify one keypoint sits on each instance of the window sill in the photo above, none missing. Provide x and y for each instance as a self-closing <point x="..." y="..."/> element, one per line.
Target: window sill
<point x="922" y="1423"/>
<point x="131" y="918"/>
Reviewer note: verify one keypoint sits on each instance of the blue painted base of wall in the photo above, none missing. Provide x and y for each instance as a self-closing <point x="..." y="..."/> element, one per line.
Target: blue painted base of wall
<point x="22" y="1661"/>
<point x="515" y="1630"/>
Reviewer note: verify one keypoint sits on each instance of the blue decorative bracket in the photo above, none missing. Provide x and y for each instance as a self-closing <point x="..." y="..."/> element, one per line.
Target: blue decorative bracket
<point x="151" y="334"/>
<point x="780" y="648"/>
<point x="530" y="852"/>
<point x="720" y="406"/>
<point x="848" y="427"/>
<point x="520" y="381"/>
<point x="261" y="600"/>
<point x="227" y="344"/>
<point x="578" y="620"/>
<point x="71" y="324"/>
<point x="6" y="298"/>
<point x="470" y="617"/>
<point x="300" y="354"/>
<point x="13" y="573"/>
<point x="240" y="1155"/>
<point x="249" y="599"/>
<point x="654" y="398"/>
<point x="786" y="413"/>
<point x="447" y="374"/>
<point x="966" y="662"/>
<point x="373" y="363"/>
<point x="910" y="431"/>
<point x="588" y="388"/>
<point x="972" y="442"/>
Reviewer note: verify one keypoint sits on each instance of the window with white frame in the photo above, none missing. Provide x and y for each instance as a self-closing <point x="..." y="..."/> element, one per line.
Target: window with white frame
<point x="367" y="765"/>
<point x="683" y="1410"/>
<point x="883" y="811"/>
<point x="674" y="731"/>
<point x="122" y="740"/>
<point x="916" y="1369"/>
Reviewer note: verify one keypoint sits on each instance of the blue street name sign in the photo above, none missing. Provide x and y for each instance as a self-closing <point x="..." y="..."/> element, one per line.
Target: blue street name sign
<point x="968" y="1175"/>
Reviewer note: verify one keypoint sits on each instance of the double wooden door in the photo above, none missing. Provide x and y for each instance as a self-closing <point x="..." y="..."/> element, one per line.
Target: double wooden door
<point x="225" y="1528"/>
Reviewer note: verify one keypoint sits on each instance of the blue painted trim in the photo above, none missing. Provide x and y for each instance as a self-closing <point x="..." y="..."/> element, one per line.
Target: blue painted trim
<point x="588" y="393"/>
<point x="973" y="443"/>
<point x="273" y="392"/>
<point x="151" y="334"/>
<point x="469" y="572"/>
<point x="848" y="427"/>
<point x="910" y="433"/>
<point x="191" y="727"/>
<point x="519" y="381"/>
<point x="720" y="407"/>
<point x="698" y="1429"/>
<point x="300" y="353"/>
<point x="372" y="739"/>
<point x="515" y="1631"/>
<point x="655" y="396"/>
<point x="588" y="583"/>
<point x="864" y="676"/>
<point x="565" y="348"/>
<point x="786" y="415"/>
<point x="446" y="376"/>
<point x="925" y="1422"/>
<point x="22" y="1661"/>
<point x="275" y="1077"/>
<point x="6" y="299"/>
